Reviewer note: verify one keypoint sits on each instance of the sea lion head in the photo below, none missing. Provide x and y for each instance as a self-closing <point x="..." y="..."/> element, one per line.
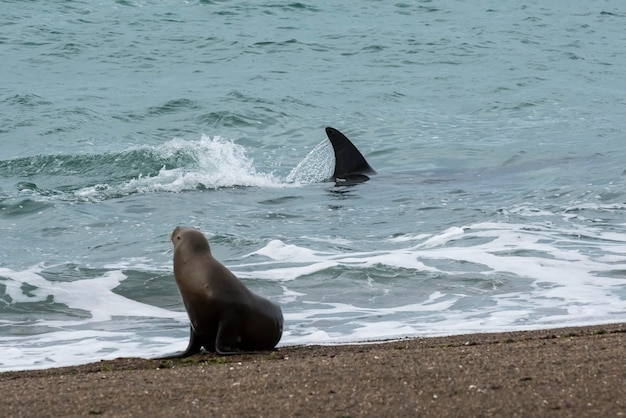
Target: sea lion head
<point x="189" y="238"/>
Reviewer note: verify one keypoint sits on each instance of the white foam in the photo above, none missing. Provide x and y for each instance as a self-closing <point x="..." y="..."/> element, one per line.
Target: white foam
<point x="408" y="237"/>
<point x="215" y="163"/>
<point x="63" y="348"/>
<point x="446" y="236"/>
<point x="59" y="342"/>
<point x="287" y="273"/>
<point x="279" y="251"/>
<point x="564" y="282"/>
<point x="542" y="276"/>
<point x="219" y="163"/>
<point x="94" y="296"/>
<point x="207" y="163"/>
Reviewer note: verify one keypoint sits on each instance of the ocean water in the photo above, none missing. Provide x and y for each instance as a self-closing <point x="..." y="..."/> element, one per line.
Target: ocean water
<point x="497" y="130"/>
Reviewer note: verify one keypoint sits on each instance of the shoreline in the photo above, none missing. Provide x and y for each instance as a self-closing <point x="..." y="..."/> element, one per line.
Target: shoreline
<point x="573" y="371"/>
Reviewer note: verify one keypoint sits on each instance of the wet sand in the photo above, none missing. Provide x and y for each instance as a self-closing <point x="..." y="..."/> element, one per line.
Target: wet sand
<point x="567" y="372"/>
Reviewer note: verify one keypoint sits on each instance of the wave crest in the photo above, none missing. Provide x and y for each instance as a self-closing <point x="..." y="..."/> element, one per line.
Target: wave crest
<point x="175" y="166"/>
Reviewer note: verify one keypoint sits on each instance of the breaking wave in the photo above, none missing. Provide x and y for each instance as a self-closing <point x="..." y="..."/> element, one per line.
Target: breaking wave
<point x="175" y="166"/>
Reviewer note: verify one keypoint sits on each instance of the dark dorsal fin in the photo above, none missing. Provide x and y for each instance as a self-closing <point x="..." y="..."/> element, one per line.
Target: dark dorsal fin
<point x="349" y="162"/>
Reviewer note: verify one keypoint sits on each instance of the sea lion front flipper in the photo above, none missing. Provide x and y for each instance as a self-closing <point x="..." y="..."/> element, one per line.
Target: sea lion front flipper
<point x="228" y="334"/>
<point x="194" y="346"/>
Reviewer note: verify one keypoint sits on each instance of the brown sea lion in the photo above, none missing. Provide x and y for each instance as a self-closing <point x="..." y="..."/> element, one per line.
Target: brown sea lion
<point x="226" y="317"/>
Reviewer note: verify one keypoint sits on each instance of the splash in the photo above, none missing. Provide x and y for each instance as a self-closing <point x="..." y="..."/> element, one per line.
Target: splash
<point x="316" y="167"/>
<point x="216" y="163"/>
<point x="176" y="166"/>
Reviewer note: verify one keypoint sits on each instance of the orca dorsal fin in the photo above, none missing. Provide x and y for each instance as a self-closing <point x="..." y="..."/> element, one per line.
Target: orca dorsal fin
<point x="349" y="162"/>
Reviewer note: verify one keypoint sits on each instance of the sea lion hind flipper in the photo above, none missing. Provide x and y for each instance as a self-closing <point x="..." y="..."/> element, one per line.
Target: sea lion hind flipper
<point x="194" y="346"/>
<point x="228" y="334"/>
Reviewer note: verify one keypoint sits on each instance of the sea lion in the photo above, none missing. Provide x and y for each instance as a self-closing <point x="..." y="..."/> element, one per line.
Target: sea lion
<point x="226" y="317"/>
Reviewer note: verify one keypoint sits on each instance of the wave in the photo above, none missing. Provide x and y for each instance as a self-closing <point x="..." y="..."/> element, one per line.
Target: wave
<point x="480" y="277"/>
<point x="175" y="166"/>
<point x="51" y="323"/>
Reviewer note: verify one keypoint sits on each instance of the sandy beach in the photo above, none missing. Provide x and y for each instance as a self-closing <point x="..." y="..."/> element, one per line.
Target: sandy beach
<point x="577" y="372"/>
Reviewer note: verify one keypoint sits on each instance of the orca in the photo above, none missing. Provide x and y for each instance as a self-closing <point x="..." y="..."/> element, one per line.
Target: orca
<point x="350" y="165"/>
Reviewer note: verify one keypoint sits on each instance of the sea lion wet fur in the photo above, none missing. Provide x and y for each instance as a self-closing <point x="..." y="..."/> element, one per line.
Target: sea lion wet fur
<point x="226" y="317"/>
